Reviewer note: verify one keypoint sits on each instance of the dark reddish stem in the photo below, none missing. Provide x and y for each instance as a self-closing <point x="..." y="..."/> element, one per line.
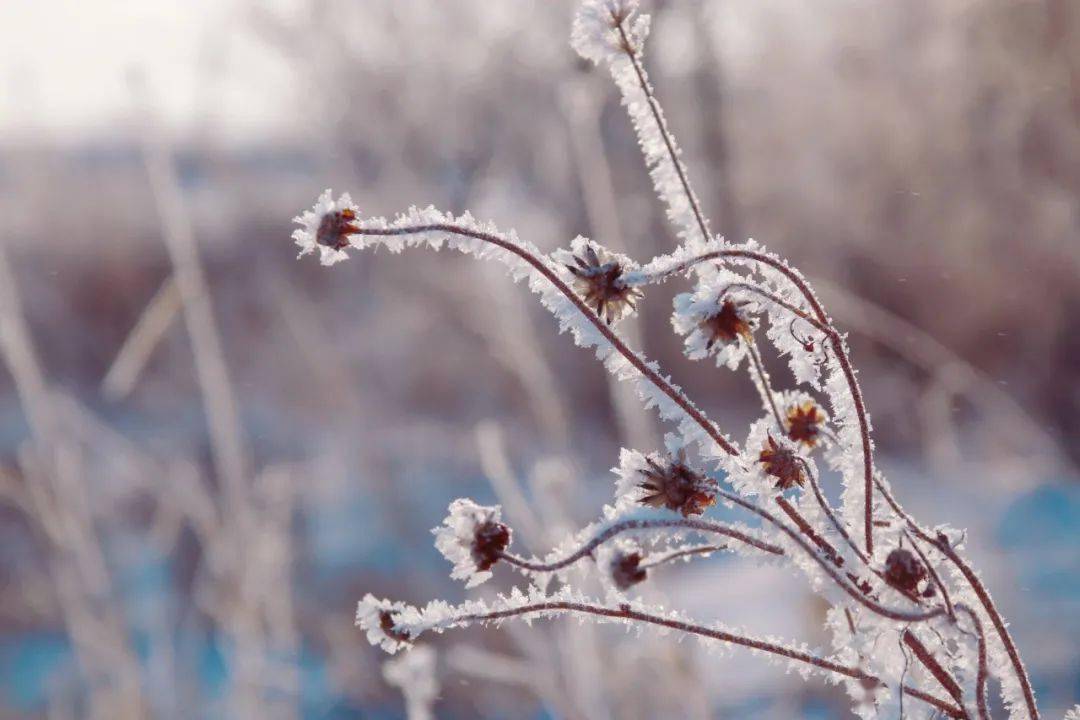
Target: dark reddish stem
<point x="930" y="663"/>
<point x="808" y="530"/>
<point x="821" y="321"/>
<point x="654" y="108"/>
<point x="627" y="613"/>
<point x="632" y="357"/>
<point x="704" y="526"/>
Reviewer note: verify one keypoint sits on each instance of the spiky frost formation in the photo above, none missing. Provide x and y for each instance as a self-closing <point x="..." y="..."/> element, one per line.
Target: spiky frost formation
<point x="716" y="320"/>
<point x="596" y="36"/>
<point x="870" y="613"/>
<point x="472" y="537"/>
<point x="599" y="278"/>
<point x="327" y="226"/>
<point x="775" y="463"/>
<point x="662" y="482"/>
<point x="435" y="230"/>
<point x="595" y="33"/>
<point x="805" y="421"/>
<point x="380" y="620"/>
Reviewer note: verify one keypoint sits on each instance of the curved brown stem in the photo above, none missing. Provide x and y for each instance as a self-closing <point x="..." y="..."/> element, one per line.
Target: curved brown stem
<point x="830" y="570"/>
<point x="676" y="396"/>
<point x="983" y="672"/>
<point x="627" y="613"/>
<point x="703" y="526"/>
<point x="664" y="558"/>
<point x="763" y="379"/>
<point x="836" y="341"/>
<point x="935" y="668"/>
<point x="658" y="117"/>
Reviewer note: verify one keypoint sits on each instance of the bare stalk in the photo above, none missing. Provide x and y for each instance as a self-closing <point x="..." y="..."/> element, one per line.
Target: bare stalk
<point x="628" y="613"/>
<point x="676" y="396"/>
<point x="704" y="526"/>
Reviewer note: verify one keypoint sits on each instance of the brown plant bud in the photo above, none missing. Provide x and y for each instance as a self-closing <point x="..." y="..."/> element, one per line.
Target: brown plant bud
<point x="491" y="539"/>
<point x="904" y="571"/>
<point x="599" y="282"/>
<point x="335" y="228"/>
<point x="676" y="486"/>
<point x="782" y="463"/>
<point x="626" y="570"/>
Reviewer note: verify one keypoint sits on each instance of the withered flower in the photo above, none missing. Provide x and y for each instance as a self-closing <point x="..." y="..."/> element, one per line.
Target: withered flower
<point x="335" y="228"/>
<point x="782" y="463"/>
<point x="626" y="570"/>
<point x="599" y="282"/>
<point x="386" y="624"/>
<point x="726" y="325"/>
<point x="676" y="487"/>
<point x="473" y="538"/>
<point x="904" y="571"/>
<point x="326" y="227"/>
<point x="804" y="423"/>
<point x="491" y="539"/>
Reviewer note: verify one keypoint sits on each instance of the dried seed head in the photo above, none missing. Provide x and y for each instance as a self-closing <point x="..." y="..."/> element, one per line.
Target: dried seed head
<point x="386" y="624"/>
<point x="473" y="538"/>
<point x="626" y="570"/>
<point x="726" y="325"/>
<point x="326" y="227"/>
<point x="904" y="571"/>
<point x="782" y="463"/>
<point x="804" y="421"/>
<point x="676" y="486"/>
<point x="335" y="228"/>
<point x="598" y="279"/>
<point x="491" y="539"/>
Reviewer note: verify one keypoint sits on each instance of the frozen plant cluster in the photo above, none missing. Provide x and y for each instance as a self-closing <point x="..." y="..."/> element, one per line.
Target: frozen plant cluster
<point x="914" y="630"/>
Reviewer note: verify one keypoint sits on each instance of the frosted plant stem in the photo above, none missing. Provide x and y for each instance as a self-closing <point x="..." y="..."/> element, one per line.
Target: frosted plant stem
<point x="628" y="613"/>
<point x="604" y="536"/>
<point x="764" y="388"/>
<point x="661" y="124"/>
<point x="664" y="558"/>
<point x="854" y="593"/>
<point x="983" y="673"/>
<point x="871" y="481"/>
<point x="933" y="574"/>
<point x="827" y="509"/>
<point x="924" y="656"/>
<point x="840" y="352"/>
<point x="632" y="357"/>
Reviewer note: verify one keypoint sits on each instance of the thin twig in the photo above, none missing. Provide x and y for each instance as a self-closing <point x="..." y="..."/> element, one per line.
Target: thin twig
<point x="624" y="526"/>
<point x="628" y="613"/>
<point x="676" y="396"/>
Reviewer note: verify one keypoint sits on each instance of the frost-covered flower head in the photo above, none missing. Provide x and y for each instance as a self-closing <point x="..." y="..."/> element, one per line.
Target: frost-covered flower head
<point x="625" y="569"/>
<point x="904" y="571"/>
<point x="599" y="279"/>
<point x="782" y="463"/>
<point x="804" y="419"/>
<point x="663" y="482"/>
<point x="606" y="28"/>
<point x="378" y="618"/>
<point x="777" y="462"/>
<point x="473" y="538"/>
<point x="327" y="227"/>
<point x="716" y="321"/>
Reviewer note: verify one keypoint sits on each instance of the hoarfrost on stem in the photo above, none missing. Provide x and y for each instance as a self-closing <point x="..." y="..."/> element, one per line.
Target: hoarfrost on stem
<point x="912" y="624"/>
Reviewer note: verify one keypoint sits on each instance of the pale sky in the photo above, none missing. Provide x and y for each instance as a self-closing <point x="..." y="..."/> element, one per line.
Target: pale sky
<point x="65" y="66"/>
